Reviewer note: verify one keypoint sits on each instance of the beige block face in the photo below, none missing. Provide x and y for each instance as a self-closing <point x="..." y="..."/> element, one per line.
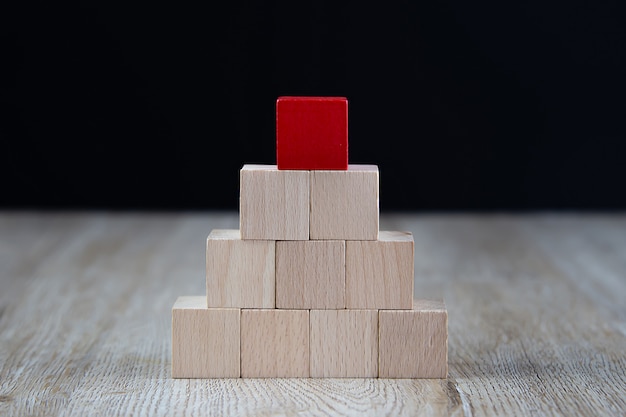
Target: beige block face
<point x="310" y="274"/>
<point x="205" y="342"/>
<point x="379" y="273"/>
<point x="344" y="343"/>
<point x="273" y="204"/>
<point x="239" y="273"/>
<point x="414" y="343"/>
<point x="275" y="343"/>
<point x="344" y="204"/>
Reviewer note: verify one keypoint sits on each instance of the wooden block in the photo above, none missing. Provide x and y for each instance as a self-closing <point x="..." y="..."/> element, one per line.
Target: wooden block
<point x="239" y="273"/>
<point x="379" y="273"/>
<point x="312" y="133"/>
<point x="205" y="342"/>
<point x="344" y="204"/>
<point x="275" y="343"/>
<point x="310" y="274"/>
<point x="414" y="343"/>
<point x="273" y="204"/>
<point x="344" y="343"/>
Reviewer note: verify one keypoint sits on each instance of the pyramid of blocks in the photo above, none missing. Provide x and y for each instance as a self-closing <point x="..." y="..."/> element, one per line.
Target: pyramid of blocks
<point x="308" y="286"/>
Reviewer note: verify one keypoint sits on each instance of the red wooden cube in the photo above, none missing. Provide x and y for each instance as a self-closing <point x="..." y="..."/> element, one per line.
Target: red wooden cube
<point x="312" y="133"/>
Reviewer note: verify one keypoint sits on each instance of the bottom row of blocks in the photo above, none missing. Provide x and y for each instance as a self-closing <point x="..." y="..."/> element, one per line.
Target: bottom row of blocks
<point x="271" y="343"/>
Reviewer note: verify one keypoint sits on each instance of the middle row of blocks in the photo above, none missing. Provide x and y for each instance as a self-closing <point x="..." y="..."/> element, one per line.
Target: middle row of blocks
<point x="311" y="274"/>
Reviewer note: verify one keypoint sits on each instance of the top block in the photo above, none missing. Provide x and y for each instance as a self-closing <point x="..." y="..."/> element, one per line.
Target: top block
<point x="312" y="133"/>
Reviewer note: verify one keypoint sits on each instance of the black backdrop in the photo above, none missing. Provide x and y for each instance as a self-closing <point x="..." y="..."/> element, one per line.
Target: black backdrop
<point x="484" y="105"/>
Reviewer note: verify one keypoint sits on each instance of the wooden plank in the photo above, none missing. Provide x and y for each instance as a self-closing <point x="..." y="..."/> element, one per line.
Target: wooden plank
<point x="310" y="274"/>
<point x="414" y="343"/>
<point x="379" y="273"/>
<point x="201" y="348"/>
<point x="535" y="304"/>
<point x="312" y="133"/>
<point x="344" y="204"/>
<point x="239" y="273"/>
<point x="275" y="343"/>
<point x="344" y="343"/>
<point x="273" y="204"/>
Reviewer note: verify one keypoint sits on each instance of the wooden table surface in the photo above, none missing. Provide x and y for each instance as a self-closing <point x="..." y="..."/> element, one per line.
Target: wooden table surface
<point x="536" y="304"/>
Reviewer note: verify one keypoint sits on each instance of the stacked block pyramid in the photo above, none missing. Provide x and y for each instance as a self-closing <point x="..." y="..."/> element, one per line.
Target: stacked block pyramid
<point x="309" y="286"/>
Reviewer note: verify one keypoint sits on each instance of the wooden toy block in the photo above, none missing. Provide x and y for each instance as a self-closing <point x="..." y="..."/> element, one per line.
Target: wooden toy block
<point x="205" y="342"/>
<point x="344" y="343"/>
<point x="239" y="273"/>
<point x="344" y="204"/>
<point x="275" y="343"/>
<point x="273" y="204"/>
<point x="414" y="343"/>
<point x="312" y="133"/>
<point x="310" y="274"/>
<point x="379" y="273"/>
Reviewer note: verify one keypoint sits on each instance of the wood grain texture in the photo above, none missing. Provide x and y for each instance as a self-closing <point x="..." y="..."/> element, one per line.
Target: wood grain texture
<point x="311" y="274"/>
<point x="205" y="342"/>
<point x="273" y="204"/>
<point x="414" y="343"/>
<point x="344" y="204"/>
<point x="275" y="343"/>
<point x="379" y="273"/>
<point x="239" y="273"/>
<point x="344" y="343"/>
<point x="535" y="305"/>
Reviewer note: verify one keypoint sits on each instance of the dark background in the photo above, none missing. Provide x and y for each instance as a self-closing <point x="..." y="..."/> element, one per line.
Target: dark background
<point x="481" y="105"/>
